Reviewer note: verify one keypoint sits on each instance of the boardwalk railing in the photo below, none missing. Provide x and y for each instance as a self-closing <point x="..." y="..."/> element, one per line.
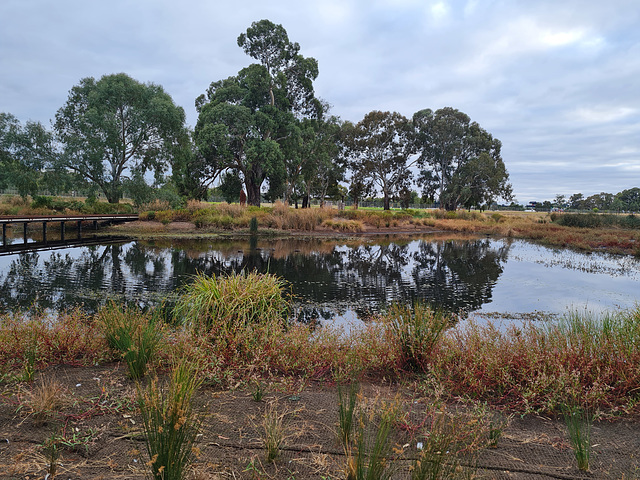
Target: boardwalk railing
<point x="6" y="221"/>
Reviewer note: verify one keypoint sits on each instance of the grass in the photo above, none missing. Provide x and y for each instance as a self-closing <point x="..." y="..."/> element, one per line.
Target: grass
<point x="170" y="423"/>
<point x="417" y="330"/>
<point x="274" y="430"/>
<point x="135" y="334"/>
<point x="45" y="400"/>
<point x="227" y="304"/>
<point x="579" y="422"/>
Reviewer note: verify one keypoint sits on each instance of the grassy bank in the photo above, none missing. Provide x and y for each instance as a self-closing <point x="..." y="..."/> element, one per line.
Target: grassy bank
<point x="231" y="339"/>
<point x="615" y="234"/>
<point x="588" y="232"/>
<point x="457" y="383"/>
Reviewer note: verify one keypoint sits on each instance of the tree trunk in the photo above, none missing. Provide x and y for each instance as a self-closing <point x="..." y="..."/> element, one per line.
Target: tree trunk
<point x="253" y="193"/>
<point x="386" y="201"/>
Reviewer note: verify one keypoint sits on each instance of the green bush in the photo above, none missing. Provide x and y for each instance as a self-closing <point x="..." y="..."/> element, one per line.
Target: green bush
<point x="417" y="330"/>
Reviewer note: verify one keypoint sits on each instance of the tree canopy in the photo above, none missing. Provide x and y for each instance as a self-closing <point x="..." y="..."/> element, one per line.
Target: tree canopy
<point x="25" y="152"/>
<point x="246" y="122"/>
<point x="459" y="160"/>
<point x="114" y="126"/>
<point x="378" y="148"/>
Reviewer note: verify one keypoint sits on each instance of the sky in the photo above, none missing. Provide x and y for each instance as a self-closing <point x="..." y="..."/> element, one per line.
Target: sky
<point x="556" y="81"/>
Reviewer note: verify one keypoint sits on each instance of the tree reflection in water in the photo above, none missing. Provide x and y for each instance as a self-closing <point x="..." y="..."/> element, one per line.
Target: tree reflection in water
<point x="327" y="278"/>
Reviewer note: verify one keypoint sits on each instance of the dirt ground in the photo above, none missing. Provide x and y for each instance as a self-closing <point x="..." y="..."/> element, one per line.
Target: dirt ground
<point x="102" y="434"/>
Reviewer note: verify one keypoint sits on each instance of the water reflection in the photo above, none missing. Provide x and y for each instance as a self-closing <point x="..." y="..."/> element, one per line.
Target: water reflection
<point x="327" y="278"/>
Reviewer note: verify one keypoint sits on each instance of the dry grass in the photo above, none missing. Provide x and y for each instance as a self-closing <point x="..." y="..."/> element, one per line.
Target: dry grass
<point x="44" y="400"/>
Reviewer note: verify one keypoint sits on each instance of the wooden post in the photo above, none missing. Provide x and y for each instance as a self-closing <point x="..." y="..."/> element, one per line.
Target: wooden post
<point x="4" y="234"/>
<point x="62" y="231"/>
<point x="79" y="229"/>
<point x="44" y="232"/>
<point x="24" y="232"/>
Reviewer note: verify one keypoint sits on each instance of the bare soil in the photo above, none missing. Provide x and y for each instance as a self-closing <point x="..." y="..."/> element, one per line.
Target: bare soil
<point x="101" y="427"/>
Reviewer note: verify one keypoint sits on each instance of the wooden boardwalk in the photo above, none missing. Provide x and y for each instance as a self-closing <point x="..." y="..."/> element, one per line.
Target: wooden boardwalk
<point x="45" y="220"/>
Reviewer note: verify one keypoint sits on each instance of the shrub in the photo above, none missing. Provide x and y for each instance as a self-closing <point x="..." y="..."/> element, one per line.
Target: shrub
<point x="136" y="335"/>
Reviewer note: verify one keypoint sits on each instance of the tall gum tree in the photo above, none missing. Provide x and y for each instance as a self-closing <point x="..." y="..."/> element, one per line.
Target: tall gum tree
<point x="246" y="122"/>
<point x="459" y="160"/>
<point x="114" y="126"/>
<point x="25" y="151"/>
<point x="379" y="149"/>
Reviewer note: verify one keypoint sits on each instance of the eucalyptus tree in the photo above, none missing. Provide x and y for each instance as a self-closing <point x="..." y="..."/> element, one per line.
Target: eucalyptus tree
<point x="25" y="152"/>
<point x="459" y="160"/>
<point x="247" y="123"/>
<point x="379" y="146"/>
<point x="115" y="126"/>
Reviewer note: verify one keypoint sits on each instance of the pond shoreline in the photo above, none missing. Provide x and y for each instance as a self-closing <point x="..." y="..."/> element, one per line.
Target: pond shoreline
<point x="612" y="241"/>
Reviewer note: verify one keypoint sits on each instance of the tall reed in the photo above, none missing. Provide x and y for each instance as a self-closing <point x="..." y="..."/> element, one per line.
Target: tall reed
<point x="170" y="423"/>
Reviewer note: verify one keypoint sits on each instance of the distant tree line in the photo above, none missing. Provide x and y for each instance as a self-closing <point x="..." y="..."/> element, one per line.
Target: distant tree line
<point x="625" y="201"/>
<point x="262" y="130"/>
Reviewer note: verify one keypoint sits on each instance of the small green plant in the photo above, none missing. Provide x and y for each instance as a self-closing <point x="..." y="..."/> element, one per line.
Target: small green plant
<point x="258" y="392"/>
<point x="579" y="422"/>
<point x="417" y="331"/>
<point x="135" y="334"/>
<point x="52" y="453"/>
<point x="29" y="367"/>
<point x="170" y="424"/>
<point x="346" y="409"/>
<point x="274" y="428"/>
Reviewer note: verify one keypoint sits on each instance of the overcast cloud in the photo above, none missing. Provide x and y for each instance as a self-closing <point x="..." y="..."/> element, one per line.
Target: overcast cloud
<point x="558" y="82"/>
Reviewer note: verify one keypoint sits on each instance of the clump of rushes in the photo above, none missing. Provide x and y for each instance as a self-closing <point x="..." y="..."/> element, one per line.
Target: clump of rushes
<point x="170" y="423"/>
<point x="417" y="330"/>
<point x="346" y="409"/>
<point x="365" y="438"/>
<point x="231" y="302"/>
<point x="135" y="334"/>
<point x="274" y="427"/>
<point x="448" y="438"/>
<point x="253" y="226"/>
<point x="579" y="422"/>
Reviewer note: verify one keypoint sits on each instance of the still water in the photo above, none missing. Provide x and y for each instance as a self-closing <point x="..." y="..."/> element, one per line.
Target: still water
<point x="333" y="280"/>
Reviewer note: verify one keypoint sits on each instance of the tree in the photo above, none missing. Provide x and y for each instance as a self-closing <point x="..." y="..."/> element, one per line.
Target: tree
<point x="459" y="160"/>
<point x="630" y="199"/>
<point x="115" y="126"/>
<point x="25" y="151"/>
<point x="246" y="122"/>
<point x="378" y="149"/>
<point x="576" y="201"/>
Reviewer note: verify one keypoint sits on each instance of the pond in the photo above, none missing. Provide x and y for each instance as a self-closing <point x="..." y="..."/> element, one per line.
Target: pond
<point x="333" y="280"/>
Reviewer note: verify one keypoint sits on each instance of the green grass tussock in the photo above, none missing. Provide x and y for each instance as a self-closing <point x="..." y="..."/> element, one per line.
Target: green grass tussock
<point x="170" y="423"/>
<point x="229" y="303"/>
